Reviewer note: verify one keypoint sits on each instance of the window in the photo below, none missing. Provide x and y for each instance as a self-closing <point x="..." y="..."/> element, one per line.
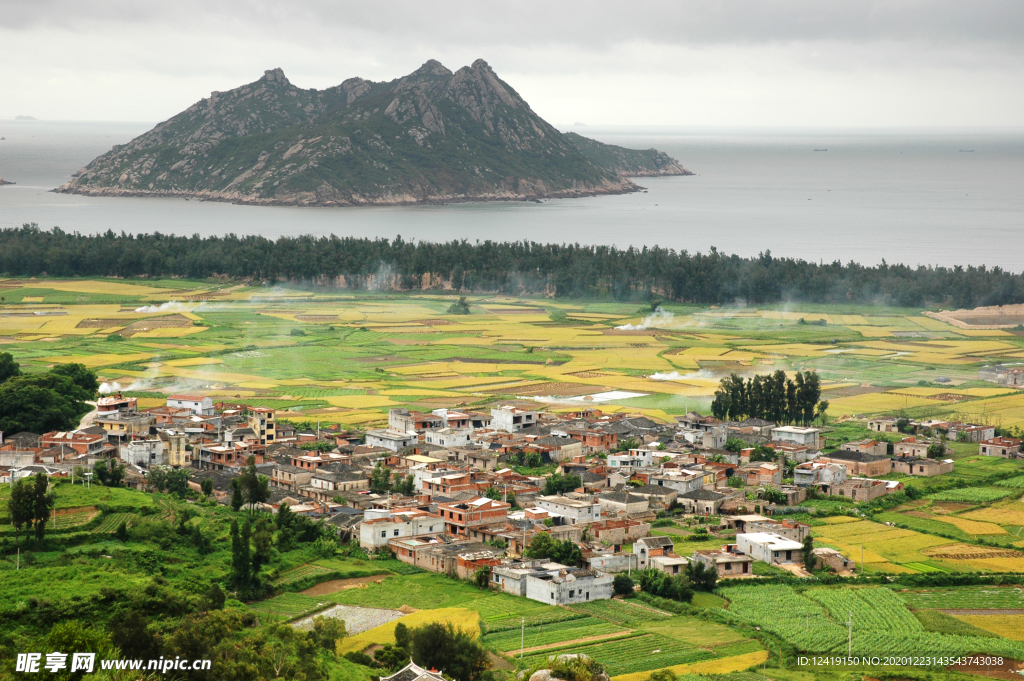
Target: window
<point x="384" y="534"/>
<point x="552" y="595"/>
<point x="728" y="566"/>
<point x="588" y="595"/>
<point x="572" y="592"/>
<point x="396" y="533"/>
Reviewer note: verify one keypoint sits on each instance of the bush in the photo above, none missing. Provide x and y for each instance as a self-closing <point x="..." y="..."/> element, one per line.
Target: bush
<point x="623" y="585"/>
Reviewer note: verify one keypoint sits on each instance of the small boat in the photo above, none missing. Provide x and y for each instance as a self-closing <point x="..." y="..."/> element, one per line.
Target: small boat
<point x="821" y="149"/>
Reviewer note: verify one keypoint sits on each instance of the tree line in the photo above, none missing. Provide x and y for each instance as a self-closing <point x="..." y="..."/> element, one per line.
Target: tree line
<point x="771" y="397"/>
<point x="571" y="270"/>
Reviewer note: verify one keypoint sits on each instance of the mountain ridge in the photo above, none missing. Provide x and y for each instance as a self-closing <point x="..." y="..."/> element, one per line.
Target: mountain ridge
<point x="432" y="136"/>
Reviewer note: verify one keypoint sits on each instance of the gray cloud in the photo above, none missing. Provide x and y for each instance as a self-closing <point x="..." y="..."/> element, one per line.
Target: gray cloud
<point x="769" y="62"/>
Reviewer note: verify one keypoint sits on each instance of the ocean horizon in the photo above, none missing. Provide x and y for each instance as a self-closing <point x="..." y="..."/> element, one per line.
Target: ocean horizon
<point x="913" y="196"/>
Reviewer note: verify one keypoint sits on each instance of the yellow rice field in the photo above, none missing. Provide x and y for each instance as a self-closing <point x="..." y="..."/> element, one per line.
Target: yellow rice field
<point x="1007" y="626"/>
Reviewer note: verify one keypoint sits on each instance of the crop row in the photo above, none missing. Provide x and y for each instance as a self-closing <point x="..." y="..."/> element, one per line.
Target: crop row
<point x="636" y="654"/>
<point x="547" y="634"/>
<point x="287" y="605"/>
<point x="971" y="495"/>
<point x="626" y="614"/>
<point x="513" y="623"/>
<point x="993" y="597"/>
<point x="1016" y="482"/>
<point x="111" y="522"/>
<point x="298" y="573"/>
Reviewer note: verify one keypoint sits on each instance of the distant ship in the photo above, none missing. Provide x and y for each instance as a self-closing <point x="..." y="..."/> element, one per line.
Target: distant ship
<point x="821" y="149"/>
<point x="966" y="151"/>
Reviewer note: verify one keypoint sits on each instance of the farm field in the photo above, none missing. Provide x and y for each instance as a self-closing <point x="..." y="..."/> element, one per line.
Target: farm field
<point x="882" y="622"/>
<point x="346" y="357"/>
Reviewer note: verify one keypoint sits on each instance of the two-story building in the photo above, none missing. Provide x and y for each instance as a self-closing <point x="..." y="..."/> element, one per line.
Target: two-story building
<point x="571" y="510"/>
<point x="810" y="437"/>
<point x="380" y="526"/>
<point x="770" y="548"/>
<point x="468" y="518"/>
<point x="1005" y="447"/>
<point x="200" y="405"/>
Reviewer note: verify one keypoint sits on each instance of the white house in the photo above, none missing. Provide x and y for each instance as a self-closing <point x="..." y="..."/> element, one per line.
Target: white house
<point x="637" y="458"/>
<point x="200" y="405"/>
<point x="390" y="439"/>
<point x="575" y="511"/>
<point x="568" y="585"/>
<point x="801" y="436"/>
<point x="448" y="437"/>
<point x="143" y="453"/>
<point x="512" y="419"/>
<point x="770" y="548"/>
<point x="380" y="526"/>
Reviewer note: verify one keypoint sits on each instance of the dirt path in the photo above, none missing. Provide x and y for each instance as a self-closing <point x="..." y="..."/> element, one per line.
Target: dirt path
<point x="330" y="587"/>
<point x="982" y="611"/>
<point x="560" y="644"/>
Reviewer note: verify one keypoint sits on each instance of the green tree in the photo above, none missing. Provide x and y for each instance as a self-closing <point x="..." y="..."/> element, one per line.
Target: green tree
<point x="109" y="474"/>
<point x="21" y="506"/>
<point x="559" y="484"/>
<point x="255" y="487"/>
<point x="214" y="597"/>
<point x="42" y="504"/>
<point x="482" y="577"/>
<point x="207" y="486"/>
<point x="80" y="376"/>
<point x="406" y="486"/>
<point x="237" y="500"/>
<point x="735" y="445"/>
<point x="121" y="534"/>
<point x="328" y="631"/>
<point x="440" y="645"/>
<point x="808" y="551"/>
<point x="262" y="544"/>
<point x="380" y="479"/>
<point x="622" y="584"/>
<point x="937" y="450"/>
<point x="403" y="637"/>
<point x="130" y="633"/>
<point x="703" y="577"/>
<point x="241" y="561"/>
<point x="8" y="367"/>
<point x="177" y="483"/>
<point x="459" y="307"/>
<point x="391" y="657"/>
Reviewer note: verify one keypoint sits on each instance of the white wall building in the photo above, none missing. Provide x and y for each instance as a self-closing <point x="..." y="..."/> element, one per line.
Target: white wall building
<point x="448" y="437"/>
<point x="568" y="586"/>
<point x="200" y="405"/>
<point x="797" y="435"/>
<point x="143" y="453"/>
<point x="637" y="458"/>
<point x="575" y="511"/>
<point x="376" y="532"/>
<point x="512" y="419"/>
<point x="770" y="548"/>
<point x="390" y="439"/>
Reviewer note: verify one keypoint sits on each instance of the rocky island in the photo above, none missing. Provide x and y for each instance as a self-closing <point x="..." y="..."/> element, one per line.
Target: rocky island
<point x="3" y="182"/>
<point x="430" y="137"/>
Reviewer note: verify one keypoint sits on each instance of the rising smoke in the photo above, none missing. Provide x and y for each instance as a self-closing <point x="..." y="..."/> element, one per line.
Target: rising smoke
<point x="659" y="319"/>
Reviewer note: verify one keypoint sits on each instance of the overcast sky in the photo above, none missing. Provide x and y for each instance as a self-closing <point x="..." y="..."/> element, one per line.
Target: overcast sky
<point x="771" y="63"/>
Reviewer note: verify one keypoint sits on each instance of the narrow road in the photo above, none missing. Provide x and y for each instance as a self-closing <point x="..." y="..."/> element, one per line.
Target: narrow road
<point x="86" y="421"/>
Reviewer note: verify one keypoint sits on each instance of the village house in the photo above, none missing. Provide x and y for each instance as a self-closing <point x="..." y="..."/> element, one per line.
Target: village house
<point x="701" y="502"/>
<point x="573" y="511"/>
<point x="810" y="437"/>
<point x="911" y="465"/>
<point x="648" y="547"/>
<point x="969" y="432"/>
<point x="448" y="437"/>
<point x="833" y="560"/>
<point x="1006" y="447"/>
<point x="659" y="498"/>
<point x="681" y="481"/>
<point x="615" y="501"/>
<point x="634" y="458"/>
<point x="863" y="489"/>
<point x="867" y="446"/>
<point x="818" y="474"/>
<point x="391" y="440"/>
<point x="379" y="527"/>
<point x="883" y="424"/>
<point x="200" y="405"/>
<point x="511" y="419"/>
<point x="91" y="444"/>
<point x="770" y="548"/>
<point x="788" y="529"/>
<point x="558" y="448"/>
<point x="911" y="446"/>
<point x="761" y="473"/>
<point x="858" y="463"/>
<point x="728" y="562"/>
<point x="466" y="518"/>
<point x="143" y="453"/>
<point x="616" y="532"/>
<point x="567" y="586"/>
<point x="290" y="477"/>
<point x="263" y="421"/>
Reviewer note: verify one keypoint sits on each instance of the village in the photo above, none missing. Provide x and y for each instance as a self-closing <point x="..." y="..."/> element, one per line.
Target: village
<point x="440" y="491"/>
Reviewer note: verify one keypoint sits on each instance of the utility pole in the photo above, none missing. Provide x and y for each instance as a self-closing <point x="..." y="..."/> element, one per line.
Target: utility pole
<point x="849" y="643"/>
<point x="522" y="639"/>
<point x="862" y="561"/>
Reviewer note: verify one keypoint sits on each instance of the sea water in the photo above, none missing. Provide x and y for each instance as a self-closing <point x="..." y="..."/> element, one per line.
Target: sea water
<point x="919" y="197"/>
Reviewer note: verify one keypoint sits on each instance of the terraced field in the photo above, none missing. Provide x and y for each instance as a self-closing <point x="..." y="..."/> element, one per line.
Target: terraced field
<point x="548" y="634"/>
